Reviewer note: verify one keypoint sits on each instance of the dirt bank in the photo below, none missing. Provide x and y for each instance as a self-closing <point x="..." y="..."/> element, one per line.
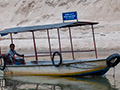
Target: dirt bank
<point x="36" y="12"/>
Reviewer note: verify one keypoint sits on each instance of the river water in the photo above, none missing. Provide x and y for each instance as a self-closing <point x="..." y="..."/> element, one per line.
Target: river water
<point x="57" y="83"/>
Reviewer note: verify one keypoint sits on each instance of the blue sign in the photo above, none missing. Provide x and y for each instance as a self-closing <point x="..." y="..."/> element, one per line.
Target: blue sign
<point x="69" y="16"/>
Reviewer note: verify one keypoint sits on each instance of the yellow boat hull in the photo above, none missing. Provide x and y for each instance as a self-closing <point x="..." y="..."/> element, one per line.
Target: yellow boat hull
<point x="74" y="68"/>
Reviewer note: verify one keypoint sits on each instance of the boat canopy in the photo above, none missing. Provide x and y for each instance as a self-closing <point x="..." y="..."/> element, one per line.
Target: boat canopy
<point x="48" y="27"/>
<point x="44" y="27"/>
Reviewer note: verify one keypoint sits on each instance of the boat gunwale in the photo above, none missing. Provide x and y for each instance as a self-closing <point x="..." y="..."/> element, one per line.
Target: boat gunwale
<point x="50" y="64"/>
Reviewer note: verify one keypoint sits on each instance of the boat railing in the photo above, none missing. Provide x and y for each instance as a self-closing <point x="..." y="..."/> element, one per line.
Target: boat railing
<point x="38" y="55"/>
<point x="47" y="53"/>
<point x="70" y="51"/>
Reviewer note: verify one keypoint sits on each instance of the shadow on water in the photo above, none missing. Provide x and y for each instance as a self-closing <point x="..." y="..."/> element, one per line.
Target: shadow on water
<point x="54" y="83"/>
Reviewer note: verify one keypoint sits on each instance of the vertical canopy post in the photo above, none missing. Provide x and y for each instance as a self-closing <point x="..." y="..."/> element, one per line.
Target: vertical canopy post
<point x="59" y="39"/>
<point x="35" y="47"/>
<point x="49" y="44"/>
<point x="71" y="43"/>
<point x="0" y="50"/>
<point x="11" y="38"/>
<point x="94" y="41"/>
<point x="0" y="54"/>
<point x="12" y="43"/>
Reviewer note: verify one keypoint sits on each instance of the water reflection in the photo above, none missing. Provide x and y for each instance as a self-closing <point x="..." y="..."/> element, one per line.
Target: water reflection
<point x="55" y="83"/>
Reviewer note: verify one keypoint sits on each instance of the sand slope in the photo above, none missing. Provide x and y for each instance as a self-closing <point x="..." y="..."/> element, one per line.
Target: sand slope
<point x="36" y="12"/>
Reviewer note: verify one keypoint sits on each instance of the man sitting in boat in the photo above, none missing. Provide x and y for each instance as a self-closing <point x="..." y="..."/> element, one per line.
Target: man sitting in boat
<point x="11" y="53"/>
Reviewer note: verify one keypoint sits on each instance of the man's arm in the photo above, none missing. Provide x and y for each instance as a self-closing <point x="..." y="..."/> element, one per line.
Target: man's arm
<point x="21" y="55"/>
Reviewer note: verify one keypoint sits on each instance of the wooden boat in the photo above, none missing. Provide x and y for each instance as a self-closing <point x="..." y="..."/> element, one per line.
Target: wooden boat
<point x="60" y="67"/>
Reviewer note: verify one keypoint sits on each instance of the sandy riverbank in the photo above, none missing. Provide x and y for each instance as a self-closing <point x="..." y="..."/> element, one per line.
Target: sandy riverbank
<point x="38" y="12"/>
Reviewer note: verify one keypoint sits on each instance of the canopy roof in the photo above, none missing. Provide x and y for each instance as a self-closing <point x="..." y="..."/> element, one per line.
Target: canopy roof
<point x="44" y="27"/>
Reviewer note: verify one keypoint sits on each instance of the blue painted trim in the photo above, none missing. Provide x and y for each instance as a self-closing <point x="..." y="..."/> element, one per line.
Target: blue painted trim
<point x="4" y="34"/>
<point x="97" y="73"/>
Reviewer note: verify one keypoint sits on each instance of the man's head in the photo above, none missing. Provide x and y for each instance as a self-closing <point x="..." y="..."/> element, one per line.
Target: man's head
<point x="12" y="46"/>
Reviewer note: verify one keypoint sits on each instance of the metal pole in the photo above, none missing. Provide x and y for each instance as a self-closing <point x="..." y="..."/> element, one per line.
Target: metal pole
<point x="71" y="44"/>
<point x="12" y="43"/>
<point x="59" y="39"/>
<point x="94" y="41"/>
<point x="2" y="83"/>
<point x="0" y="50"/>
<point x="11" y="38"/>
<point x="35" y="47"/>
<point x="49" y="44"/>
<point x="0" y="54"/>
